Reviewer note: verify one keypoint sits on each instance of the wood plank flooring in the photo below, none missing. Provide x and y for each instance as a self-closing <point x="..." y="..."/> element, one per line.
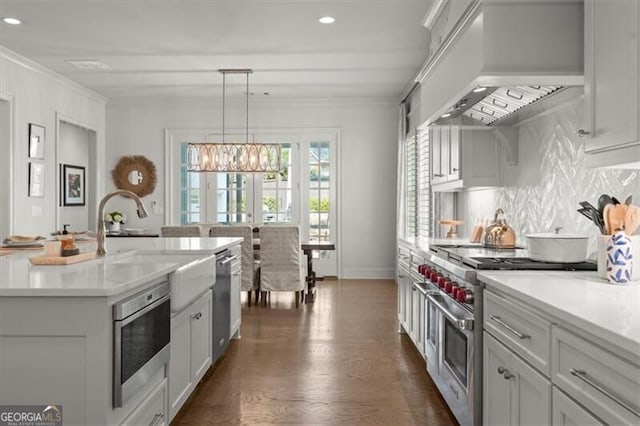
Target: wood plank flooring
<point x="338" y="361"/>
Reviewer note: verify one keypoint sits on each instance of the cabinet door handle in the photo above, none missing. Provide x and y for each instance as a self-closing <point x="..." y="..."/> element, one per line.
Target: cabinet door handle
<point x="509" y="328"/>
<point x="582" y="132"/>
<point x="438" y="175"/>
<point x="582" y="375"/>
<point x="237" y="274"/>
<point x="455" y="169"/>
<point x="505" y="373"/>
<point x="197" y="316"/>
<point x="156" y="419"/>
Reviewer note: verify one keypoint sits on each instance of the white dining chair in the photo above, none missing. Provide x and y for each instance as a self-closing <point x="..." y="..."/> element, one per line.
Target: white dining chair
<point x="250" y="266"/>
<point x="282" y="261"/>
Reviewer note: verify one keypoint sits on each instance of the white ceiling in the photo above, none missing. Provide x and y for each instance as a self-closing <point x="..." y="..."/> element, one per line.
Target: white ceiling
<point x="173" y="48"/>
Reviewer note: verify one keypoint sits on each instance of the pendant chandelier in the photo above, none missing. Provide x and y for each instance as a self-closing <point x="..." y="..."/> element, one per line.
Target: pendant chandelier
<point x="246" y="157"/>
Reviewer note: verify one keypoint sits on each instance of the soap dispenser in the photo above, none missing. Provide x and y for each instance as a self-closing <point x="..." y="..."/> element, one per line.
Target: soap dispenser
<point x="64" y="229"/>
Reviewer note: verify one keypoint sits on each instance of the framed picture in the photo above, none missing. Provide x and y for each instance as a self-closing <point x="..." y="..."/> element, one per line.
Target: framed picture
<point x="36" y="141"/>
<point x="36" y="185"/>
<point x="73" y="185"/>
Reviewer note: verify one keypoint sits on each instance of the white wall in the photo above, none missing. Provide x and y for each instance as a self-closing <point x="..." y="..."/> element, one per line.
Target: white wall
<point x="40" y="96"/>
<point x="551" y="177"/>
<point x="367" y="164"/>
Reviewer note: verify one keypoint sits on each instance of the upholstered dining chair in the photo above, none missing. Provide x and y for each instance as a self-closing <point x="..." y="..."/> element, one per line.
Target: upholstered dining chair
<point x="250" y="267"/>
<point x="181" y="231"/>
<point x="282" y="261"/>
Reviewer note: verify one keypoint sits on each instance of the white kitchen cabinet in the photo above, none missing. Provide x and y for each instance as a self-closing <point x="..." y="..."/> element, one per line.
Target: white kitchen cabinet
<point x="417" y="318"/>
<point x="235" y="289"/>
<point x="566" y="412"/>
<point x="596" y="378"/>
<point x="442" y="18"/>
<point x="405" y="298"/>
<point x="464" y="158"/>
<point x="514" y="393"/>
<point x="611" y="129"/>
<point x="191" y="337"/>
<point x="153" y="410"/>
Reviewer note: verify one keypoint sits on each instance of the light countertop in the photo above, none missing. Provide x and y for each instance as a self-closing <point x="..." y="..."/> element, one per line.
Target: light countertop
<point x="582" y="299"/>
<point x="100" y="277"/>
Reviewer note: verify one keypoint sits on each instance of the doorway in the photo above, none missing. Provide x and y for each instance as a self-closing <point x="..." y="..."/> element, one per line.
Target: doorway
<point x="77" y="147"/>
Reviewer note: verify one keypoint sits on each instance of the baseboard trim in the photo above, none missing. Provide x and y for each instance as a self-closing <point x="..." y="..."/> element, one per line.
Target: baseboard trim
<point x="371" y="273"/>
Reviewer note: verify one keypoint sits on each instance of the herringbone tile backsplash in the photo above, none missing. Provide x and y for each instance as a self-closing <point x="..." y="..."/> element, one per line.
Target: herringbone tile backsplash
<point x="544" y="189"/>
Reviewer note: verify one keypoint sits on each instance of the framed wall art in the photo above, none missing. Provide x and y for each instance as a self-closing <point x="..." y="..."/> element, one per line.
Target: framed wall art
<point x="36" y="141"/>
<point x="73" y="185"/>
<point x="36" y="184"/>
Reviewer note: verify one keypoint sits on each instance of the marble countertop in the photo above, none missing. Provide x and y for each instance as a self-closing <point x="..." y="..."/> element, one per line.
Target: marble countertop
<point x="100" y="277"/>
<point x="582" y="299"/>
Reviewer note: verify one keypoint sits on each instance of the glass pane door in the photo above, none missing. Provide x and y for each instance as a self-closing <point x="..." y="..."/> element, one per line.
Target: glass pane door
<point x="278" y="189"/>
<point x="232" y="200"/>
<point x="319" y="192"/>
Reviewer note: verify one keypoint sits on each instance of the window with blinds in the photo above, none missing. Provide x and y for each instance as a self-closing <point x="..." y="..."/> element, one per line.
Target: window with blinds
<point x="423" y="186"/>
<point x="411" y="210"/>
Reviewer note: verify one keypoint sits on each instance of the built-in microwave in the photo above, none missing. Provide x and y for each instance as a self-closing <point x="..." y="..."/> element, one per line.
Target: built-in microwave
<point x="141" y="336"/>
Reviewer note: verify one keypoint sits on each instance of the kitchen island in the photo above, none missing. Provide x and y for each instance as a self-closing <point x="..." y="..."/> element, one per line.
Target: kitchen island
<point x="57" y="328"/>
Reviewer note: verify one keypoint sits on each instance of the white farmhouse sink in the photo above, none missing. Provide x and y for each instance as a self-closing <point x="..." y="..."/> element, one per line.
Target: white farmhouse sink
<point x="195" y="274"/>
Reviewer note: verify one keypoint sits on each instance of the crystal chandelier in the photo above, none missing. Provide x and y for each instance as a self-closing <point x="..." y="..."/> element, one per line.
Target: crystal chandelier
<point x="233" y="157"/>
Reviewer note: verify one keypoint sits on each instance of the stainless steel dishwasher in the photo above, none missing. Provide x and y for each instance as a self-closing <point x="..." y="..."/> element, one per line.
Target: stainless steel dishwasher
<point x="221" y="296"/>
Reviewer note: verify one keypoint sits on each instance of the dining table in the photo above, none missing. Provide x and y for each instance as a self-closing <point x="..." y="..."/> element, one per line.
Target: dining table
<point x="308" y="247"/>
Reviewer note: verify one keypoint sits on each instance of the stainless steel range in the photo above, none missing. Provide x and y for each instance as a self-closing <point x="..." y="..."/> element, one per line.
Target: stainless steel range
<point x="453" y="320"/>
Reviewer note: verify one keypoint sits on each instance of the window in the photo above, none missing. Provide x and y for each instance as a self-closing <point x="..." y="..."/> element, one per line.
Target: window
<point x="423" y="186"/>
<point x="190" y="191"/>
<point x="411" y="208"/>
<point x="319" y="191"/>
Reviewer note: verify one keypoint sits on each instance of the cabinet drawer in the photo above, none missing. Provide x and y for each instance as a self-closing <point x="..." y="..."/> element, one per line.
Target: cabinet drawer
<point x="152" y="410"/>
<point x="597" y="379"/>
<point x="524" y="332"/>
<point x="567" y="412"/>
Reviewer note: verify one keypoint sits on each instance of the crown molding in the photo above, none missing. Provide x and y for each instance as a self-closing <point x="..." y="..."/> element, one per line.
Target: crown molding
<point x="31" y="65"/>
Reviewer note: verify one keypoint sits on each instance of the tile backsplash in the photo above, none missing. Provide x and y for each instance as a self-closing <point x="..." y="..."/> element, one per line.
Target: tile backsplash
<point x="543" y="190"/>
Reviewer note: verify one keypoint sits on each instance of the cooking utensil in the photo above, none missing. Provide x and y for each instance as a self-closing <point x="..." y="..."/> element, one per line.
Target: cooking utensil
<point x="615" y="200"/>
<point x="586" y="205"/>
<point x="561" y="248"/>
<point x="629" y="200"/>
<point x="586" y="213"/>
<point x="632" y="219"/>
<point x="603" y="200"/>
<point x="499" y="234"/>
<point x="605" y="218"/>
<point x="615" y="215"/>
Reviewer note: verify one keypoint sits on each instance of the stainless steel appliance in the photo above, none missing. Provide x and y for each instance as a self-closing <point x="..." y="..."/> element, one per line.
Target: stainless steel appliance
<point x="141" y="335"/>
<point x="453" y="320"/>
<point x="221" y="302"/>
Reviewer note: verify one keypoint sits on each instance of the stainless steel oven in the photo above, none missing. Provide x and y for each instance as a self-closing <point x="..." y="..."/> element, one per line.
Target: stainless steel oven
<point x="141" y="335"/>
<point x="450" y="361"/>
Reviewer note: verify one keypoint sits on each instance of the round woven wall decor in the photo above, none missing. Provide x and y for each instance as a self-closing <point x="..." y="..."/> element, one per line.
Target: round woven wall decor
<point x="136" y="173"/>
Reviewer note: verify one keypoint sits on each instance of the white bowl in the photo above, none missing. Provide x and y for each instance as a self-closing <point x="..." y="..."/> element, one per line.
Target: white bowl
<point x="559" y="248"/>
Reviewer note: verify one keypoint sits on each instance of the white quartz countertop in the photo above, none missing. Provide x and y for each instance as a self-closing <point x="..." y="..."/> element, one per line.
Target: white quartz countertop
<point x="582" y="299"/>
<point x="100" y="277"/>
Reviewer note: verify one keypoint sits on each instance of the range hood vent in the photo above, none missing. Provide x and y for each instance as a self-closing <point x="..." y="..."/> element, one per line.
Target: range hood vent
<point x="505" y="101"/>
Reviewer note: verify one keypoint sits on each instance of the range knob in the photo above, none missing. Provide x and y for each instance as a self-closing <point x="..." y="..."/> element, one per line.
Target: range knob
<point x="442" y="284"/>
<point x="459" y="295"/>
<point x="434" y="276"/>
<point x="455" y="288"/>
<point x="426" y="271"/>
<point x="448" y="287"/>
<point x="468" y="296"/>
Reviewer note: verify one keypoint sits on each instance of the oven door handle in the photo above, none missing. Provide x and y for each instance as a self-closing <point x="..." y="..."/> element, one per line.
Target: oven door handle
<point x="143" y="311"/>
<point x="418" y="287"/>
<point x="460" y="323"/>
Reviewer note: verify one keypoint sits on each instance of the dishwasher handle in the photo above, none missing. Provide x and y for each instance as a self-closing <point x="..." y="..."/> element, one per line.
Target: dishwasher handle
<point x="228" y="259"/>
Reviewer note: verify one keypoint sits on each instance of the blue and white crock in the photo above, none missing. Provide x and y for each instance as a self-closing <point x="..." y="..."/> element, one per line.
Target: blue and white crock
<point x="619" y="258"/>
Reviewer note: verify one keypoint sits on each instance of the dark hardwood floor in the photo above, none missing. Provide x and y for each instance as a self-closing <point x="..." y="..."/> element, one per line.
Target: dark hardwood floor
<point x="335" y="362"/>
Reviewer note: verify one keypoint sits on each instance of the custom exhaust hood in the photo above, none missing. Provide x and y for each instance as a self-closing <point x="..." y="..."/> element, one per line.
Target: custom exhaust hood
<point x="503" y="62"/>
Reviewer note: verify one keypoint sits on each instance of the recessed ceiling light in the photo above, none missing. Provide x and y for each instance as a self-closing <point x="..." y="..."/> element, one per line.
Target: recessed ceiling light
<point x="327" y="20"/>
<point x="479" y="89"/>
<point x="12" y="21"/>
